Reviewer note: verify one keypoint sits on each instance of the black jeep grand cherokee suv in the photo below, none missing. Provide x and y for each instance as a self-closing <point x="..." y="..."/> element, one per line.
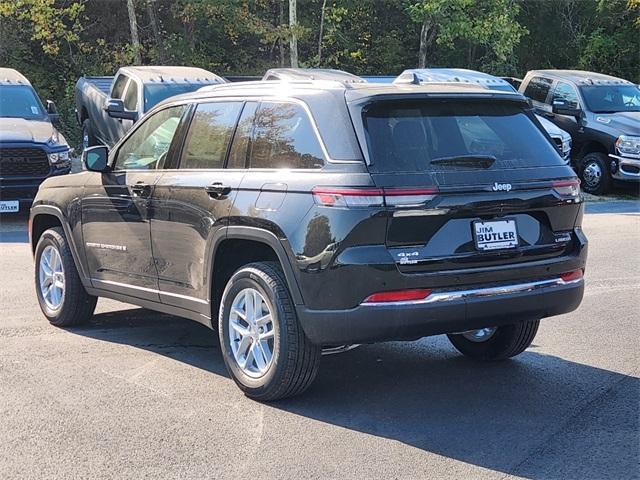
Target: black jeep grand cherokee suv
<point x="296" y="216"/>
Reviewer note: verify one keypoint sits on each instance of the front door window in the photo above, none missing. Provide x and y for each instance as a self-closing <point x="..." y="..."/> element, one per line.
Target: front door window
<point x="146" y="148"/>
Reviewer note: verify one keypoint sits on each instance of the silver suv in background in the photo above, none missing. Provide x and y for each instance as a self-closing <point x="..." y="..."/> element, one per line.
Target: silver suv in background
<point x="463" y="76"/>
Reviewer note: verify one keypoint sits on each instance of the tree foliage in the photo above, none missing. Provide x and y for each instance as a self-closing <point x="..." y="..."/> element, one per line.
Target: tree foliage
<point x="53" y="42"/>
<point x="488" y="28"/>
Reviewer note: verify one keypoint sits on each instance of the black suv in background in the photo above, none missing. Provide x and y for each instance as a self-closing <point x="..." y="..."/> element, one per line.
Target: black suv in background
<point x="602" y="114"/>
<point x="295" y="216"/>
<point x="31" y="148"/>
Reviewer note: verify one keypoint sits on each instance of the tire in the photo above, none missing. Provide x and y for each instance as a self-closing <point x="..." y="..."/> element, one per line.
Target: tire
<point x="76" y="306"/>
<point x="505" y="342"/>
<point x="595" y="174"/>
<point x="294" y="360"/>
<point x="88" y="139"/>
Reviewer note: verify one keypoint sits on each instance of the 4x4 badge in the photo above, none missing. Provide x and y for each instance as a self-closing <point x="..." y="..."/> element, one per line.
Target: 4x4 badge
<point x="501" y="187"/>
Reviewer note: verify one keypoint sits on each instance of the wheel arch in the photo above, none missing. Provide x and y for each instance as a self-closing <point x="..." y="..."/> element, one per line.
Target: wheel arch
<point x="592" y="146"/>
<point x="255" y="244"/>
<point x="43" y="217"/>
<point x="84" y="115"/>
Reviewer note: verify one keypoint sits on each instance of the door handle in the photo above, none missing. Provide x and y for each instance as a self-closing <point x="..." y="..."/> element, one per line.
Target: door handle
<point x="218" y="190"/>
<point x="548" y="114"/>
<point x="141" y="189"/>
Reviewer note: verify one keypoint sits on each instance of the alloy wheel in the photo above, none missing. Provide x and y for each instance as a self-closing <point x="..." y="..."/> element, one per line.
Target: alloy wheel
<point x="251" y="332"/>
<point x="51" y="276"/>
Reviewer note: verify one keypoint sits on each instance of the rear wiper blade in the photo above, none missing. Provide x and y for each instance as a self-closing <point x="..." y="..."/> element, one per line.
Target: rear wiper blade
<point x="476" y="161"/>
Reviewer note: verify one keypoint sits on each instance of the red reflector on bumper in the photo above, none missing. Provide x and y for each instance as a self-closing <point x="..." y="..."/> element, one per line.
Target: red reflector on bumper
<point x="399" y="296"/>
<point x="571" y="276"/>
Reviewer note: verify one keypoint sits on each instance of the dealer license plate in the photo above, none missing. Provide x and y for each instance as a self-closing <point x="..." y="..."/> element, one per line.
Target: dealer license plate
<point x="494" y="235"/>
<point x="9" y="206"/>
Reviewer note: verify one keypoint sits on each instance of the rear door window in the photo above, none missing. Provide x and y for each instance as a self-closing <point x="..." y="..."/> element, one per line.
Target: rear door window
<point x="284" y="138"/>
<point x="209" y="135"/>
<point x="407" y="136"/>
<point x="538" y="89"/>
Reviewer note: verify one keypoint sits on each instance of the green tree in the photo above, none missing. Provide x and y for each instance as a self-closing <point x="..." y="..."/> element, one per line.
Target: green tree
<point x="614" y="45"/>
<point x="488" y="27"/>
<point x="47" y="23"/>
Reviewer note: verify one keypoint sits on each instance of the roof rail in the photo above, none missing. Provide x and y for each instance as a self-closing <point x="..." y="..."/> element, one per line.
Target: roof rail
<point x="616" y="81"/>
<point x="461" y="76"/>
<point x="292" y="74"/>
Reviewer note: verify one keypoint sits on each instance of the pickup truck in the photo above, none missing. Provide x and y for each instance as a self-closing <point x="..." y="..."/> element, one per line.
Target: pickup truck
<point x="31" y="148"/>
<point x="107" y="107"/>
<point x="602" y="114"/>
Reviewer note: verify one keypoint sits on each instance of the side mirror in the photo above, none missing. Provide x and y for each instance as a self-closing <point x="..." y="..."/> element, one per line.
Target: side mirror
<point x="560" y="108"/>
<point x="96" y="159"/>
<point x="115" y="109"/>
<point x="52" y="111"/>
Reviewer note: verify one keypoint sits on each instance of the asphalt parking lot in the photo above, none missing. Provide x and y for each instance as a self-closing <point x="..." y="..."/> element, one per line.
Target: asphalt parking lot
<point x="138" y="394"/>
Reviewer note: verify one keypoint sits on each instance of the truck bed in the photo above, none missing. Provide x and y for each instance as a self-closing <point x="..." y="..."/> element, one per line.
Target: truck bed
<point x="101" y="83"/>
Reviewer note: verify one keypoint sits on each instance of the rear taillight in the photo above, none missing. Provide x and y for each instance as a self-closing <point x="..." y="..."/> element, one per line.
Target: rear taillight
<point x="567" y="188"/>
<point x="572" y="276"/>
<point x="348" y="197"/>
<point x="408" y="197"/>
<point x="372" y="197"/>
<point x="399" y="296"/>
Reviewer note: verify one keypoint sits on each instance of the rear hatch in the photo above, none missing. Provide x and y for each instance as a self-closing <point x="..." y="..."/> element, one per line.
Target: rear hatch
<point x="468" y="183"/>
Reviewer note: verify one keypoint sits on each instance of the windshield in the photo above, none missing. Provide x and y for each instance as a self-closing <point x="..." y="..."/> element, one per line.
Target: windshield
<point x="612" y="98"/>
<point x="20" y="101"/>
<point x="154" y="94"/>
<point x="430" y="136"/>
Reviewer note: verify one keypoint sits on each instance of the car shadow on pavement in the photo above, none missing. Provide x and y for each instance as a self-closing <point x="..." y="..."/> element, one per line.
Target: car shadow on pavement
<point x="537" y="416"/>
<point x="174" y="337"/>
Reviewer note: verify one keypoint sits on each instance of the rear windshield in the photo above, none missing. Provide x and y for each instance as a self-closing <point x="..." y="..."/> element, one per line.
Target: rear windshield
<point x="409" y="136"/>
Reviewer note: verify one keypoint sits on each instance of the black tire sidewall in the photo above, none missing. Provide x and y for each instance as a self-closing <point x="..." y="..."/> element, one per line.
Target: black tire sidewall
<point x="506" y="342"/>
<point x="245" y="278"/>
<point x="77" y="305"/>
<point x="48" y="238"/>
<point x="488" y="349"/>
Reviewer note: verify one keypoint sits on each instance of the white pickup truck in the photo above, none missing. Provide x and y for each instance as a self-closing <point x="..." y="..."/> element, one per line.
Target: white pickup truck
<point x="107" y="107"/>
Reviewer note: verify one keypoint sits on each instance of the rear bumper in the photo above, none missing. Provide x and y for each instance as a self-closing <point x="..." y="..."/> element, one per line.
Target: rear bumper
<point x="444" y="311"/>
